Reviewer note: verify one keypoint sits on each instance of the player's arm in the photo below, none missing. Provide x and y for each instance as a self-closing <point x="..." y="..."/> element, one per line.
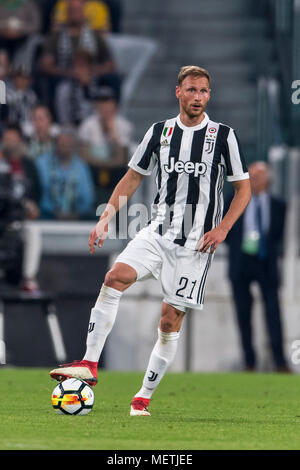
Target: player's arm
<point x="121" y="194"/>
<point x="241" y="199"/>
<point x="237" y="174"/>
<point x="141" y="164"/>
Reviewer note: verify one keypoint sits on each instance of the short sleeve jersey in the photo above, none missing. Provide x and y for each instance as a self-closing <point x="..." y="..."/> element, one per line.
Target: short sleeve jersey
<point x="191" y="165"/>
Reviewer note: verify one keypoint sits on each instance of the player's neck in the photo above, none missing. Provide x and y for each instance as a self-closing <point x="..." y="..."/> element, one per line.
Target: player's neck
<point x="191" y="121"/>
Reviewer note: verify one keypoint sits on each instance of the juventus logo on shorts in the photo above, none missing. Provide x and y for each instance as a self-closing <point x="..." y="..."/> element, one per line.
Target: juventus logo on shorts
<point x="91" y="327"/>
<point x="152" y="376"/>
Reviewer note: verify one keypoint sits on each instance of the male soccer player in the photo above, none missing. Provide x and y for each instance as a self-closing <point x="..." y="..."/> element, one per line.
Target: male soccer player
<point x="192" y="155"/>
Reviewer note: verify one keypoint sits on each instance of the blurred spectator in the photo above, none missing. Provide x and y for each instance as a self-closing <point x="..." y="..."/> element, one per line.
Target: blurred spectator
<point x="19" y="19"/>
<point x="26" y="188"/>
<point x="13" y="150"/>
<point x="96" y="13"/>
<point x="73" y="101"/>
<point x="20" y="97"/>
<point x="4" y="76"/>
<point x="61" y="46"/>
<point x="74" y="97"/>
<point x="67" y="186"/>
<point x="105" y="139"/>
<point x="4" y="65"/>
<point x="41" y="132"/>
<point x="254" y="245"/>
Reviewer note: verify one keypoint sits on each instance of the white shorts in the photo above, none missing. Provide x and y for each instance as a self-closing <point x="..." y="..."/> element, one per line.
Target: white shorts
<point x="182" y="272"/>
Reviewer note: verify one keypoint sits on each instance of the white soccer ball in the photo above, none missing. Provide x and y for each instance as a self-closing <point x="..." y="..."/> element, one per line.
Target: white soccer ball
<point x="72" y="397"/>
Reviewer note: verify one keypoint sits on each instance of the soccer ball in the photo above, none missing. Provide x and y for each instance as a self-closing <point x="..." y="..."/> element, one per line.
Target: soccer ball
<point x="72" y="397"/>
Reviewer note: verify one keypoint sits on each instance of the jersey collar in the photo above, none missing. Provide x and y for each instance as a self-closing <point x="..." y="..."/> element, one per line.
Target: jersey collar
<point x="202" y="124"/>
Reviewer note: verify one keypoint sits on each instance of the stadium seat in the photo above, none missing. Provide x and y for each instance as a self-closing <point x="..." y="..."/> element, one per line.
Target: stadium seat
<point x="132" y="54"/>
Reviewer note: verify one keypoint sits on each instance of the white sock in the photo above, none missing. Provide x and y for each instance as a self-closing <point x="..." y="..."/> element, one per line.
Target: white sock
<point x="102" y="319"/>
<point x="161" y="357"/>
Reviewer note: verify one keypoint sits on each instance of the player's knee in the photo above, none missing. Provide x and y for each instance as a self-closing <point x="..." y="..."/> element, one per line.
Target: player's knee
<point x="111" y="278"/>
<point x="166" y="325"/>
<point x="117" y="279"/>
<point x="171" y="318"/>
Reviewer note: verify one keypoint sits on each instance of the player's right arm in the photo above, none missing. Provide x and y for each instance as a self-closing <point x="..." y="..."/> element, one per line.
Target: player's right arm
<point x="121" y="194"/>
<point x="141" y="164"/>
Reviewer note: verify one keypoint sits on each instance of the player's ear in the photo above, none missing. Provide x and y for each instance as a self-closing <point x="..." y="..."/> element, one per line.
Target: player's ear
<point x="177" y="91"/>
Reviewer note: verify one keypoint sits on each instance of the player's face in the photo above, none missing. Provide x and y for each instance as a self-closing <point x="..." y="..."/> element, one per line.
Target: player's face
<point x="193" y="95"/>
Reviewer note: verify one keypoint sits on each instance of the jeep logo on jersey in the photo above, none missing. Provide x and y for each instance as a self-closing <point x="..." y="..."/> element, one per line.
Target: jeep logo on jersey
<point x="198" y="168"/>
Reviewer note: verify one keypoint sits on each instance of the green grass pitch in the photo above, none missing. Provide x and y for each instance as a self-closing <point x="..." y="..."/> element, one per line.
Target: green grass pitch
<point x="189" y="411"/>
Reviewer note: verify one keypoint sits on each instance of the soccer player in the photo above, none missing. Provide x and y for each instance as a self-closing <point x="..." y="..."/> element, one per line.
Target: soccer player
<point x="192" y="155"/>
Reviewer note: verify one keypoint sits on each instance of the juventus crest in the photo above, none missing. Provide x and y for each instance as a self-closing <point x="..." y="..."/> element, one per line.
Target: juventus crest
<point x="153" y="376"/>
<point x="210" y="145"/>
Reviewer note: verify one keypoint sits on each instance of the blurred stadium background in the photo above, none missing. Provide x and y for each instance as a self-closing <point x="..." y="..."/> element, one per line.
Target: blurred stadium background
<point x="252" y="51"/>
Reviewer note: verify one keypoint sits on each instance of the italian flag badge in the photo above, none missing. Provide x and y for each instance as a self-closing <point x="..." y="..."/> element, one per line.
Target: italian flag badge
<point x="168" y="131"/>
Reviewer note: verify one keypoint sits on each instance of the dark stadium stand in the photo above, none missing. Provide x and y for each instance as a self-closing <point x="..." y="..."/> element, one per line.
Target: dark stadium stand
<point x="217" y="35"/>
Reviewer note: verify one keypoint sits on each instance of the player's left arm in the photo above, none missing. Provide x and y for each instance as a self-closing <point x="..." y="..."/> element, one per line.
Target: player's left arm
<point x="241" y="199"/>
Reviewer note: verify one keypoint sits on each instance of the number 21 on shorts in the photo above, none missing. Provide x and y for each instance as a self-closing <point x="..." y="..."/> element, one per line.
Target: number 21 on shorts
<point x="191" y="290"/>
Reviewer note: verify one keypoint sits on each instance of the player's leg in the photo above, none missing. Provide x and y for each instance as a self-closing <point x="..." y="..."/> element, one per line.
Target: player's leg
<point x="141" y="258"/>
<point x="161" y="357"/>
<point x="103" y="315"/>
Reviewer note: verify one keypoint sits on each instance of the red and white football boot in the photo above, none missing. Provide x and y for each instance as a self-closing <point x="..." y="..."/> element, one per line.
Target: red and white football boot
<point x="83" y="370"/>
<point x="139" y="407"/>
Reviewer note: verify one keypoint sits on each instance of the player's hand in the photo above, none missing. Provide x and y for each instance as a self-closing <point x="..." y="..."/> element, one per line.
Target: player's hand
<point x="212" y="239"/>
<point x="99" y="233"/>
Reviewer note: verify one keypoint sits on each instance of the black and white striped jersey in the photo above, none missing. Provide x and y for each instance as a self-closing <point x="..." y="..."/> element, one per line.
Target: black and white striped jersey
<point x="191" y="164"/>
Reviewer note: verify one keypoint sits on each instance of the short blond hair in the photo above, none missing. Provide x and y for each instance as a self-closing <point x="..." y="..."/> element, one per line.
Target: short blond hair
<point x="193" y="70"/>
